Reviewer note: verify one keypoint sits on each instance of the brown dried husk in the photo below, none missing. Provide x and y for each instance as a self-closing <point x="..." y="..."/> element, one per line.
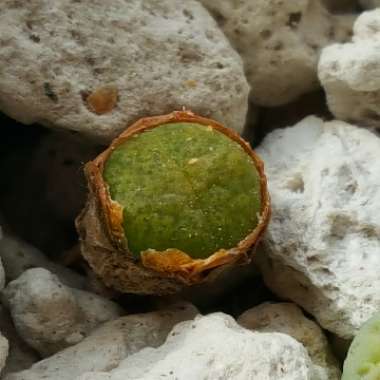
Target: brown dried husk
<point x="105" y="247"/>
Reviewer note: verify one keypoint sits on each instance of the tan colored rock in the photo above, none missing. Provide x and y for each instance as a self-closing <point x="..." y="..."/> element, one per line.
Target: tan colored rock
<point x="111" y="63"/>
<point x="287" y="318"/>
<point x="50" y="316"/>
<point x="106" y="347"/>
<point x="279" y="42"/>
<point x="216" y="347"/>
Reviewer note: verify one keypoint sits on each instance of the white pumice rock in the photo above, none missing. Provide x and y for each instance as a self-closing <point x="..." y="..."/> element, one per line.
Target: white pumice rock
<point x="369" y="4"/>
<point x="287" y="318"/>
<point x="110" y="63"/>
<point x="322" y="246"/>
<point x="216" y="347"/>
<point x="279" y="42"/>
<point x="20" y="356"/>
<point x="18" y="256"/>
<point x="50" y="316"/>
<point x="106" y="347"/>
<point x="350" y="73"/>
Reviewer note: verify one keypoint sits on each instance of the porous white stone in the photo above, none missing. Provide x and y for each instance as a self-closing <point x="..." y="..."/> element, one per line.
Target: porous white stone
<point x="279" y="42"/>
<point x="50" y="316"/>
<point x="110" y="63"/>
<point x="107" y="346"/>
<point x="322" y="245"/>
<point x="215" y="347"/>
<point x="18" y="256"/>
<point x="350" y="73"/>
<point x="287" y="318"/>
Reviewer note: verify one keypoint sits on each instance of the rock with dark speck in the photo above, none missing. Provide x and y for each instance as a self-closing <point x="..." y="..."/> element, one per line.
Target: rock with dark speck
<point x="110" y="63"/>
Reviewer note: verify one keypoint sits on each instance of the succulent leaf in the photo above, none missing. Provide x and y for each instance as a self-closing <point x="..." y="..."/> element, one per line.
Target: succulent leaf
<point x="363" y="358"/>
<point x="184" y="186"/>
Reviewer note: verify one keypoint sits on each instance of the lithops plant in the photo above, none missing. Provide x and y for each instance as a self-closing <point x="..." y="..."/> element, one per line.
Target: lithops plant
<point x="363" y="358"/>
<point x="173" y="201"/>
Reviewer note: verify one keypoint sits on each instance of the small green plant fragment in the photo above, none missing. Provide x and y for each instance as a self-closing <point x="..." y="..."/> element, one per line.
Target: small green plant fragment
<point x="363" y="358"/>
<point x="184" y="186"/>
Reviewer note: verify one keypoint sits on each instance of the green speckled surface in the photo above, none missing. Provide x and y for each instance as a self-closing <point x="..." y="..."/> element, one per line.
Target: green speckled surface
<point x="184" y="186"/>
<point x="363" y="358"/>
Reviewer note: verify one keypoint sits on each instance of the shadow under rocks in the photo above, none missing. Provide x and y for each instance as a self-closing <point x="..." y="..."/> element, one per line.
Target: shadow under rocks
<point x="42" y="188"/>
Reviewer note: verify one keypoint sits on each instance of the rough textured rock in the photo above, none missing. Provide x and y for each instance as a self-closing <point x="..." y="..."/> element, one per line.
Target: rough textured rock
<point x="109" y="64"/>
<point x="215" y="347"/>
<point x="107" y="346"/>
<point x="369" y="4"/>
<point x="50" y="316"/>
<point x="350" y="73"/>
<point x="322" y="245"/>
<point x="287" y="318"/>
<point x="21" y="356"/>
<point x="18" y="256"/>
<point x="4" y="349"/>
<point x="280" y="43"/>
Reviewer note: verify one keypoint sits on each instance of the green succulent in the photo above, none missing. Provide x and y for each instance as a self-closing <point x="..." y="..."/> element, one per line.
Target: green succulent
<point x="363" y="358"/>
<point x="185" y="186"/>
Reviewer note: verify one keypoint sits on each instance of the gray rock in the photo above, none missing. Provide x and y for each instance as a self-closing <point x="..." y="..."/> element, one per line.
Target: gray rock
<point x="279" y="42"/>
<point x="109" y="64"/>
<point x="350" y="73"/>
<point x="50" y="316"/>
<point x="18" y="256"/>
<point x="4" y="349"/>
<point x="215" y="347"/>
<point x="287" y="318"/>
<point x="20" y="356"/>
<point x="107" y="346"/>
<point x="322" y="245"/>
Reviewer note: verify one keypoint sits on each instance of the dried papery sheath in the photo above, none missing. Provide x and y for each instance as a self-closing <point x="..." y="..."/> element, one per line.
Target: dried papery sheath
<point x="173" y="201"/>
